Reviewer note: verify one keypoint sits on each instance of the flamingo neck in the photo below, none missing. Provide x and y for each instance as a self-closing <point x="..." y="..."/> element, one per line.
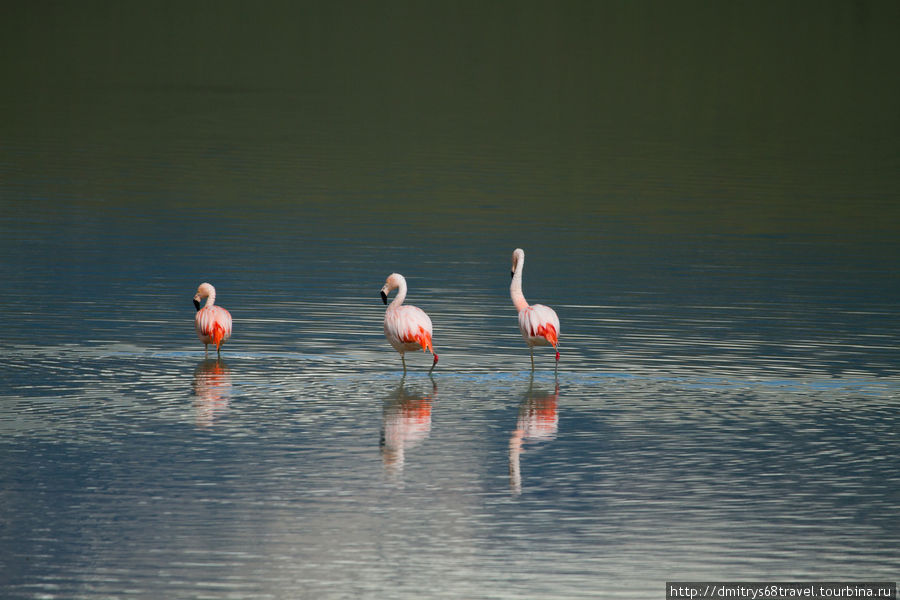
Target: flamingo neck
<point x="515" y="288"/>
<point x="210" y="299"/>
<point x="401" y="294"/>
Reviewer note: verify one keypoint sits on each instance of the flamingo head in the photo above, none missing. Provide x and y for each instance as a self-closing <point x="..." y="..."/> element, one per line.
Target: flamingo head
<point x="204" y="291"/>
<point x="392" y="283"/>
<point x="518" y="258"/>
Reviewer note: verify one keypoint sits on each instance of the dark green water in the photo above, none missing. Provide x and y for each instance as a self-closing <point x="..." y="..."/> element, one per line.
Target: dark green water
<point x="707" y="194"/>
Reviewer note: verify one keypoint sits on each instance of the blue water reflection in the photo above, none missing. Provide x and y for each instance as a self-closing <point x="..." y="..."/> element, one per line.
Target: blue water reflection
<point x="406" y="423"/>
<point x="538" y="421"/>
<point x="212" y="390"/>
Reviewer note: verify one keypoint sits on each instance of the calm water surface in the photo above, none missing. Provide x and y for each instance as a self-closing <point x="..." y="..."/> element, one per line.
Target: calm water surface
<point x="723" y="261"/>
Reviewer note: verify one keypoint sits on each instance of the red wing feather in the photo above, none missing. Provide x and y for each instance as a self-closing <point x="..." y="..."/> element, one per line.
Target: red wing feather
<point x="548" y="332"/>
<point x="421" y="337"/>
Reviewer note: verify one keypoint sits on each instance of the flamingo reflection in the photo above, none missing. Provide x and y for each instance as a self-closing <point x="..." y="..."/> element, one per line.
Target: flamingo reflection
<point x="212" y="390"/>
<point x="538" y="422"/>
<point x="406" y="424"/>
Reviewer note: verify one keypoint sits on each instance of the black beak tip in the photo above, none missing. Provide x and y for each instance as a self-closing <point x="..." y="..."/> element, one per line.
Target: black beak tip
<point x="512" y="274"/>
<point x="197" y="304"/>
<point x="384" y="297"/>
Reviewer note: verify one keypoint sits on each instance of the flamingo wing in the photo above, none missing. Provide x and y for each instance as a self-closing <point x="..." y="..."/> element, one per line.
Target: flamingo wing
<point x="409" y="325"/>
<point x="539" y="322"/>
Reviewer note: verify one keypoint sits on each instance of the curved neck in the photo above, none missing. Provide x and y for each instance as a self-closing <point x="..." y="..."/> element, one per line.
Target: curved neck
<point x="211" y="299"/>
<point x="401" y="294"/>
<point x="515" y="288"/>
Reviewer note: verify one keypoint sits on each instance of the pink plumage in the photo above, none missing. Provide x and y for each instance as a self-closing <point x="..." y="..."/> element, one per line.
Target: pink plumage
<point x="406" y="327"/>
<point x="538" y="323"/>
<point x="213" y="323"/>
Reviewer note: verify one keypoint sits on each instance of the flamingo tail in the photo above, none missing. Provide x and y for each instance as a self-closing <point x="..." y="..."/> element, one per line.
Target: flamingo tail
<point x="218" y="334"/>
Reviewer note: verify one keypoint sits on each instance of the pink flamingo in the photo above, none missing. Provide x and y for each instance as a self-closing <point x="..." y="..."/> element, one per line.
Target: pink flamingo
<point x="405" y="327"/>
<point x="538" y="323"/>
<point x="213" y="322"/>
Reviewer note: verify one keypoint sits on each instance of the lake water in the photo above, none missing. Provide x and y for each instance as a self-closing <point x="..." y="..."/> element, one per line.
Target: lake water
<point x="706" y="194"/>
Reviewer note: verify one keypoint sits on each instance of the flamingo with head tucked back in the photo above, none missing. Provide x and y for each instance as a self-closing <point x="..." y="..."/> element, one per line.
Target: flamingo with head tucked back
<point x="406" y="327"/>
<point x="213" y="322"/>
<point x="538" y="323"/>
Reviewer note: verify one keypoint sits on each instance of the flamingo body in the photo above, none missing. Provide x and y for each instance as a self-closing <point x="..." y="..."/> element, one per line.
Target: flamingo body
<point x="406" y="327"/>
<point x="539" y="324"/>
<point x="213" y="323"/>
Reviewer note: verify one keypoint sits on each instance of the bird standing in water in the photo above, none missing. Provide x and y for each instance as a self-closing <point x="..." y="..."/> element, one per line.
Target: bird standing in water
<point x="213" y="322"/>
<point x="538" y="323"/>
<point x="405" y="327"/>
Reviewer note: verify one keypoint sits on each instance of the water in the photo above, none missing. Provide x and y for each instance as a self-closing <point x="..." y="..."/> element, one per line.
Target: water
<point x="715" y="224"/>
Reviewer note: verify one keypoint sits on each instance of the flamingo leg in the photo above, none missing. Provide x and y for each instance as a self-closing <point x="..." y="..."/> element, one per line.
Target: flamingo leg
<point x="433" y="364"/>
<point x="403" y="358"/>
<point x="206" y="350"/>
<point x="532" y="358"/>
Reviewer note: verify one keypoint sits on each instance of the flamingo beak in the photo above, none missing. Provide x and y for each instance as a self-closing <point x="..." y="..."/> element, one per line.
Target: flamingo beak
<point x="383" y="297"/>
<point x="196" y="303"/>
<point x="512" y="274"/>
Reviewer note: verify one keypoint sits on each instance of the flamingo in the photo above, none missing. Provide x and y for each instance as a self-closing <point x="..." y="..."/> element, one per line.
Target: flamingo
<point x="213" y="322"/>
<point x="405" y="327"/>
<point x="538" y="323"/>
